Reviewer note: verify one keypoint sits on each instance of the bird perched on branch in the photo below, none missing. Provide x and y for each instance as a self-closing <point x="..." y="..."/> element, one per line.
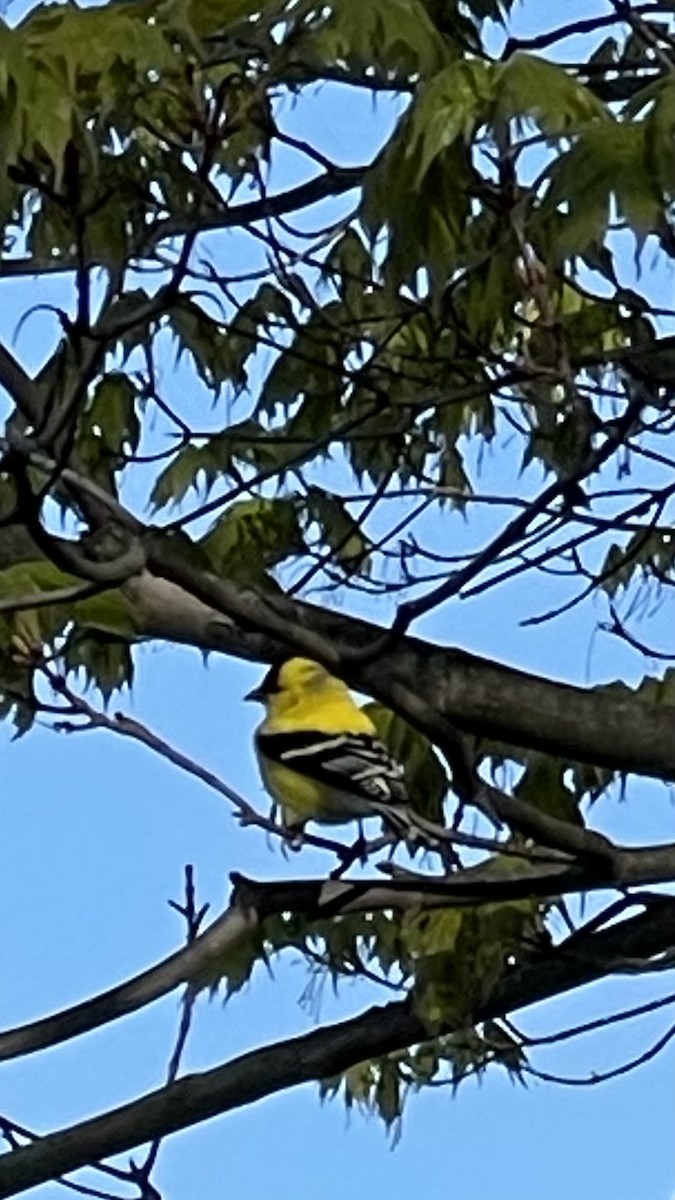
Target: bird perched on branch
<point x="319" y="755"/>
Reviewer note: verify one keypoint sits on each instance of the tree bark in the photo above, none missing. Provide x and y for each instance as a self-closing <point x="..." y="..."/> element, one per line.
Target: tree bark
<point x="419" y="679"/>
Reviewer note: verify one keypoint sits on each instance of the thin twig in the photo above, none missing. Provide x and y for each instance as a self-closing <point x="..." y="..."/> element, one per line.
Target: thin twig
<point x="604" y="1076"/>
<point x="563" y="1035"/>
<point x="64" y="595"/>
<point x="128" y="727"/>
<point x="13" y="1132"/>
<point x="193" y="918"/>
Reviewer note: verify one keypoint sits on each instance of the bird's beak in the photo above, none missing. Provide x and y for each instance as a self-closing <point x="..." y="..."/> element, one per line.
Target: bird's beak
<point x="256" y="693"/>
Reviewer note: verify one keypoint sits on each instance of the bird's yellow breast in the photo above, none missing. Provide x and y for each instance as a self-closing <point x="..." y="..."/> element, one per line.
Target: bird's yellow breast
<point x="312" y="801"/>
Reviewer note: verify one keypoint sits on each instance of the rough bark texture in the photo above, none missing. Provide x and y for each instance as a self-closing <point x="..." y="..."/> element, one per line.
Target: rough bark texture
<point x="421" y="680"/>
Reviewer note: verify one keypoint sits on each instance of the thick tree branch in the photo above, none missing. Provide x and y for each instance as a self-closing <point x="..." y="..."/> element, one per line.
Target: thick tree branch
<point x="319" y="899"/>
<point x="459" y="690"/>
<point x="23" y="390"/>
<point x="25" y="449"/>
<point x="180" y="603"/>
<point x="320" y="1054"/>
<point x="234" y="925"/>
<point x="426" y="683"/>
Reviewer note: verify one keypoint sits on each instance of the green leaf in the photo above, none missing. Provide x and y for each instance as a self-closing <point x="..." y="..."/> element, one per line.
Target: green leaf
<point x="192" y="466"/>
<point x="208" y="17"/>
<point x="557" y="786"/>
<point x="340" y="532"/>
<point x="449" y="109"/>
<point x="532" y="87"/>
<point x="397" y="35"/>
<point x="185" y="472"/>
<point x="105" y="660"/>
<point x="607" y="160"/>
<point x="543" y="786"/>
<point x="63" y="65"/>
<point x="100" y="630"/>
<point x="109" y="427"/>
<point x="453" y="476"/>
<point x="234" y="968"/>
<point x="458" y="955"/>
<point x="659" y="131"/>
<point x="110" y="612"/>
<point x="35" y="577"/>
<point x="125" y="313"/>
<point x="216" y="358"/>
<point x="350" y="267"/>
<point x="387" y="1099"/>
<point x="249" y="126"/>
<point x="309" y="368"/>
<point x="425" y="222"/>
<point x="492" y="291"/>
<point x="650" y="552"/>
<point x="253" y="536"/>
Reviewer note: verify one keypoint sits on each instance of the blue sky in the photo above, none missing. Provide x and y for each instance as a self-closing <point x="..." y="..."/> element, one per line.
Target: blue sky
<point x="96" y="832"/>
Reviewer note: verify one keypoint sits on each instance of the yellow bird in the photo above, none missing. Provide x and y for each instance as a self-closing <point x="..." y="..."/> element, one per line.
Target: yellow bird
<point x="319" y="755"/>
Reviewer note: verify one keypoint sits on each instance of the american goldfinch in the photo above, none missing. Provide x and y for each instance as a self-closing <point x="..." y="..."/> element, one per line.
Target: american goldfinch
<point x="319" y="755"/>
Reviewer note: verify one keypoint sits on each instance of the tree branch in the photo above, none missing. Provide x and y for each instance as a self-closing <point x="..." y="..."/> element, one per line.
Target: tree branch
<point x="64" y="595"/>
<point x="23" y="390"/>
<point x="318" y="1055"/>
<point x="459" y="690"/>
<point x="430" y="685"/>
<point x="511" y="533"/>
<point x="234" y="925"/>
<point x="333" y="183"/>
<point x="320" y="899"/>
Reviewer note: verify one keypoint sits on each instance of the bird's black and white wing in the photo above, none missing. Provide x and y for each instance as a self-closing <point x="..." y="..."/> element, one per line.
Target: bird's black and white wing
<point x="354" y="764"/>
